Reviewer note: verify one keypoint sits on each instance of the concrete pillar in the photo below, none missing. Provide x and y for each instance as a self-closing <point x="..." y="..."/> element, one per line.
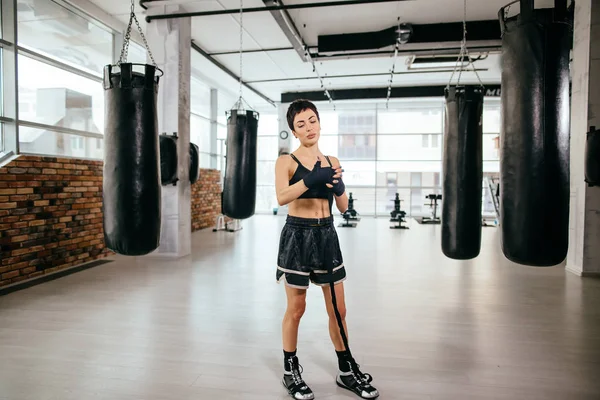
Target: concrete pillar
<point x="584" y="253"/>
<point x="285" y="134"/>
<point x="170" y="44"/>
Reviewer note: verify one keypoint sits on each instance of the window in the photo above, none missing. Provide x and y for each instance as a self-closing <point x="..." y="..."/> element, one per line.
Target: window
<point x="199" y="98"/>
<point x="44" y="142"/>
<point x="56" y="97"/>
<point x="200" y="133"/>
<point x="407" y="147"/>
<point x="59" y="33"/>
<point x="268" y="125"/>
<point x="424" y="119"/>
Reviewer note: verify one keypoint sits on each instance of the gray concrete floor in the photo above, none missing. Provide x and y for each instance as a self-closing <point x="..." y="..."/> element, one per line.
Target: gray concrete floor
<point x="208" y="326"/>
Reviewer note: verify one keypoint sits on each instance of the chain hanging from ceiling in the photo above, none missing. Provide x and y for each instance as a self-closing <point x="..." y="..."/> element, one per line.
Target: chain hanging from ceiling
<point x="464" y="52"/>
<point x="396" y="49"/>
<point x="239" y="104"/>
<point x="127" y="39"/>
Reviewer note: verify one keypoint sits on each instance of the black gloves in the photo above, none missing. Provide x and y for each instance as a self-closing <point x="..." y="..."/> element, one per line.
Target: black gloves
<point x="319" y="176"/>
<point x="339" y="188"/>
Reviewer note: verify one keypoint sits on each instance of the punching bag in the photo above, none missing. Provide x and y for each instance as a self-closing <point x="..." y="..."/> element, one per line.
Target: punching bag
<point x="463" y="173"/>
<point x="131" y="182"/>
<point x="168" y="159"/>
<point x="592" y="157"/>
<point x="194" y="163"/>
<point x="534" y="160"/>
<point x="239" y="182"/>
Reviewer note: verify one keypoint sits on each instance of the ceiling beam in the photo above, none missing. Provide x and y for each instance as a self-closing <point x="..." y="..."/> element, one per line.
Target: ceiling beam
<point x="379" y="93"/>
<point x="230" y="73"/>
<point x="286" y="23"/>
<point x="269" y="50"/>
<point x="265" y="9"/>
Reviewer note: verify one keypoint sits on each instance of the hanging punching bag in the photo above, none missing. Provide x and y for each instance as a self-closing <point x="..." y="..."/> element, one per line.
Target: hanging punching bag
<point x="534" y="161"/>
<point x="463" y="173"/>
<point x="239" y="182"/>
<point x="131" y="181"/>
<point x="194" y="163"/>
<point x="168" y="159"/>
<point x="592" y="157"/>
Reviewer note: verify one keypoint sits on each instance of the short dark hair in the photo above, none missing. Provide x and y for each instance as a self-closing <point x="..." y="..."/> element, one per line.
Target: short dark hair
<point x="297" y="107"/>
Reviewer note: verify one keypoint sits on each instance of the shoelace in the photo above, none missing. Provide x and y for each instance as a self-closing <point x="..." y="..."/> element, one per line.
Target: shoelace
<point x="296" y="371"/>
<point x="359" y="376"/>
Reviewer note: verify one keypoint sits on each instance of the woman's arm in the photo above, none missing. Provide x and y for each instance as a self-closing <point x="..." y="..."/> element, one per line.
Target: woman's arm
<point x="341" y="202"/>
<point x="286" y="193"/>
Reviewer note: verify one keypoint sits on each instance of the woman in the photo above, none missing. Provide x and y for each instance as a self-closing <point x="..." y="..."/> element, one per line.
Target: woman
<point x="309" y="249"/>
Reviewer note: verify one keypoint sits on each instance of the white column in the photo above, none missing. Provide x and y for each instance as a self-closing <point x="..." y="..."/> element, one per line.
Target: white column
<point x="170" y="43"/>
<point x="285" y="144"/>
<point x="584" y="252"/>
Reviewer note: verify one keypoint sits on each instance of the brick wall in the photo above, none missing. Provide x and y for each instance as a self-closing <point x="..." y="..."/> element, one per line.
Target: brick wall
<point x="206" y="199"/>
<point x="50" y="216"/>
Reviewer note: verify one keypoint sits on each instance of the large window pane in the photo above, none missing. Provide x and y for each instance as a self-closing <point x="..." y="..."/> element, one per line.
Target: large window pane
<point x="491" y="116"/>
<point x="358" y="173"/>
<point x="411" y="120"/>
<point x="266" y="199"/>
<point x="268" y="125"/>
<point x="408" y="173"/>
<point x="199" y="97"/>
<point x="409" y="147"/>
<point x="357" y="147"/>
<point x="200" y="133"/>
<point x="39" y="141"/>
<point x="53" y="96"/>
<point x="356" y="122"/>
<point x="329" y="122"/>
<point x="267" y="147"/>
<point x="136" y="53"/>
<point x="265" y="173"/>
<point x="490" y="147"/>
<point x="59" y="33"/>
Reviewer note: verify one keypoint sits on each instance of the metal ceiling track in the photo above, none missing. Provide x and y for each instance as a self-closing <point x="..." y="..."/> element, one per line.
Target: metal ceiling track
<point x="263" y="9"/>
<point x="230" y="73"/>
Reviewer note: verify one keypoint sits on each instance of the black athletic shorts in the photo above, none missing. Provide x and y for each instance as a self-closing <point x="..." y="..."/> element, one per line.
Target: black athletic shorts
<point x="309" y="250"/>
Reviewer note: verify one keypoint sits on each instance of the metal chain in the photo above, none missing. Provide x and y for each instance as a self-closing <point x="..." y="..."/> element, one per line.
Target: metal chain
<point x="241" y="43"/>
<point x="127" y="38"/>
<point x="396" y="48"/>
<point x="464" y="52"/>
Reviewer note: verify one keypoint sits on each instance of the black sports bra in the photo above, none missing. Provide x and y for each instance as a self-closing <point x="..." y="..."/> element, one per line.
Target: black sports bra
<point x="321" y="193"/>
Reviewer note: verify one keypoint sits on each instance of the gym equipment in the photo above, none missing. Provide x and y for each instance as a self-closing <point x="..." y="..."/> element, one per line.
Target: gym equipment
<point x="168" y="159"/>
<point x="592" y="157"/>
<point x="433" y="204"/>
<point x="131" y="187"/>
<point x="194" y="163"/>
<point x="350" y="214"/>
<point x="229" y="226"/>
<point x="463" y="173"/>
<point x="239" y="183"/>
<point x="397" y="215"/>
<point x="534" y="161"/>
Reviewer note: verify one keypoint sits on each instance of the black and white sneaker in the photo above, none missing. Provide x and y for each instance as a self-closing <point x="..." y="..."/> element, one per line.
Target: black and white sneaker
<point x="357" y="382"/>
<point x="293" y="382"/>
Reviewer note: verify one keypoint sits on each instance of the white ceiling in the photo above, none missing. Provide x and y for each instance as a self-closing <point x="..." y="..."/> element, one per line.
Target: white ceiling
<point x="287" y="72"/>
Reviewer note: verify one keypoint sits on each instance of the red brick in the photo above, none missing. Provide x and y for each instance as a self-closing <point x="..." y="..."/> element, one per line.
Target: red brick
<point x="10" y="275"/>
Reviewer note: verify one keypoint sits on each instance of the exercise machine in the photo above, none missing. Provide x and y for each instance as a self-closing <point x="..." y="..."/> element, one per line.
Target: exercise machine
<point x="433" y="204"/>
<point x="222" y="225"/>
<point x="350" y="216"/>
<point x="398" y="215"/>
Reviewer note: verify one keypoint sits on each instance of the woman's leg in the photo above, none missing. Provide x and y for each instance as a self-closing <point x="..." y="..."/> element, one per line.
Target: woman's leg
<point x="296" y="304"/>
<point x="349" y="376"/>
<point x="292" y="378"/>
<point x="334" y="329"/>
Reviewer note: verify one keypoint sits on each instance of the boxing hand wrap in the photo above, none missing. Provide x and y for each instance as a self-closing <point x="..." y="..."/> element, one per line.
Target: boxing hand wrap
<point x="339" y="188"/>
<point x="318" y="176"/>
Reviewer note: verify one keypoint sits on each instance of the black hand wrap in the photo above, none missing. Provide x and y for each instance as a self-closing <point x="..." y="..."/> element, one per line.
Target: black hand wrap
<point x="339" y="188"/>
<point x="319" y="176"/>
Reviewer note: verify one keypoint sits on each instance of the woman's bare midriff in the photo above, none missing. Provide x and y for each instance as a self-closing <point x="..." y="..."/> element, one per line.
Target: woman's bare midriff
<point x="309" y="208"/>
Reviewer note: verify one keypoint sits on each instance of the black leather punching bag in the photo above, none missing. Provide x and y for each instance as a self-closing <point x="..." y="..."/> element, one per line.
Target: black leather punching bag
<point x="592" y="157"/>
<point x="239" y="182"/>
<point x="534" y="161"/>
<point x="194" y="163"/>
<point x="463" y="172"/>
<point x="131" y="193"/>
<point x="168" y="159"/>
